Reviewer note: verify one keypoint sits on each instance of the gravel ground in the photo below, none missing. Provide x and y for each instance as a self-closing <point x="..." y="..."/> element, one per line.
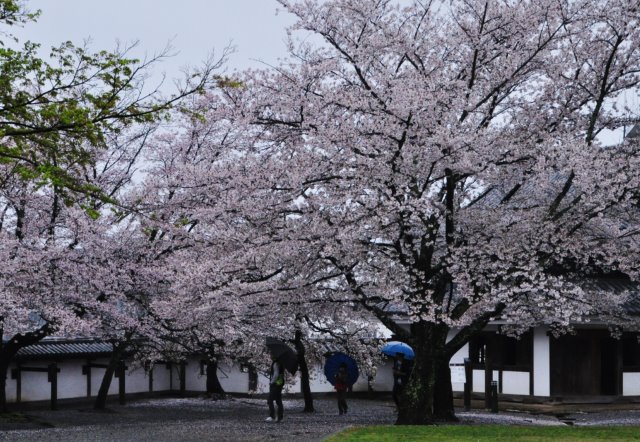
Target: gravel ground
<point x="242" y="419"/>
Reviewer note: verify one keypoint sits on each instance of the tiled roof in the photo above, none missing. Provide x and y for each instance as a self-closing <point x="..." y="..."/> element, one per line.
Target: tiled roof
<point x="615" y="285"/>
<point x="59" y="349"/>
<point x="618" y="285"/>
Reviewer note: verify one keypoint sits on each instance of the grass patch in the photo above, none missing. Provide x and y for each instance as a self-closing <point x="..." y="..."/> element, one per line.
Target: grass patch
<point x="486" y="433"/>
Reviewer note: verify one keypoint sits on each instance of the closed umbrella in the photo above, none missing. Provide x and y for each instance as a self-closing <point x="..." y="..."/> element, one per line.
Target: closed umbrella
<point x="333" y="363"/>
<point x="392" y="348"/>
<point x="283" y="353"/>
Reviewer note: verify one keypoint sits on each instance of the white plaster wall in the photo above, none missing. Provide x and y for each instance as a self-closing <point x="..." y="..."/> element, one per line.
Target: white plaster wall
<point x="320" y="384"/>
<point x="631" y="384"/>
<point x="515" y="382"/>
<point x="96" y="375"/>
<point x="10" y="389"/>
<point x="478" y="380"/>
<point x="383" y="380"/>
<point x="541" y="363"/>
<point x="263" y="384"/>
<point x="458" y="358"/>
<point x="232" y="379"/>
<point x="194" y="381"/>
<point x="34" y="385"/>
<point x="71" y="381"/>
<point x="317" y="380"/>
<point x="161" y="377"/>
<point x="136" y="380"/>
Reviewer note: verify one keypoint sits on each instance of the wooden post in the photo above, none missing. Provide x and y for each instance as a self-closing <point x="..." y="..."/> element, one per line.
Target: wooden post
<point x="53" y="378"/>
<point x="488" y="375"/>
<point x="619" y="367"/>
<point x="121" y="382"/>
<point x="183" y="378"/>
<point x="16" y="374"/>
<point x="52" y="371"/>
<point x="494" y="396"/>
<point x="150" y="378"/>
<point x="468" y="383"/>
<point x="86" y="370"/>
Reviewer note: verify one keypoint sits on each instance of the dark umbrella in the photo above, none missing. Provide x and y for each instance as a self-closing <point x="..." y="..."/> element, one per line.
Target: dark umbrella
<point x="394" y="347"/>
<point x="333" y="363"/>
<point x="283" y="353"/>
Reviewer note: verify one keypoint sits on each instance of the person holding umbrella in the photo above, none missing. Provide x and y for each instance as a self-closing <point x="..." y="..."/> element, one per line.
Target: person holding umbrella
<point x="342" y="372"/>
<point x="401" y="372"/>
<point x="282" y="357"/>
<point x="402" y="355"/>
<point x="341" y="387"/>
<point x="276" y="383"/>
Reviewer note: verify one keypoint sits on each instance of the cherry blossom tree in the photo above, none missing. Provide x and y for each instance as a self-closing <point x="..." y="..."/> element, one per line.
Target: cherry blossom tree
<point x="448" y="160"/>
<point x="66" y="148"/>
<point x="205" y="206"/>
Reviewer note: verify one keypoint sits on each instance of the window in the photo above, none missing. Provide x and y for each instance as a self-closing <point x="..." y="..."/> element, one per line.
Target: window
<point x="504" y="351"/>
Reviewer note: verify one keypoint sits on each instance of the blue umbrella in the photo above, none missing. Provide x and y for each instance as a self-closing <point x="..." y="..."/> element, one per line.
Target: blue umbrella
<point x="394" y="347"/>
<point x="333" y="363"/>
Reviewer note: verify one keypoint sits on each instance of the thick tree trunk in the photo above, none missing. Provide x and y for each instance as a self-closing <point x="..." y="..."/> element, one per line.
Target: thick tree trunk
<point x="443" y="394"/>
<point x="427" y="398"/>
<point x="116" y="356"/>
<point x="305" y="384"/>
<point x="214" y="388"/>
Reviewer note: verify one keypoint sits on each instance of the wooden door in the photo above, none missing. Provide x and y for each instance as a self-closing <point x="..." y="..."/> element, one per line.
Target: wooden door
<point x="576" y="365"/>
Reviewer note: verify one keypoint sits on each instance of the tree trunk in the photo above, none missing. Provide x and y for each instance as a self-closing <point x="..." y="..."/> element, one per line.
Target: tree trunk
<point x="4" y="368"/>
<point x="427" y="398"/>
<point x="443" y="394"/>
<point x="9" y="349"/>
<point x="214" y="388"/>
<point x="116" y="356"/>
<point x="305" y="384"/>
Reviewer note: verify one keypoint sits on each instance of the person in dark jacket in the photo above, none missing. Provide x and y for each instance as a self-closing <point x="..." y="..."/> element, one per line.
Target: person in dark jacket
<point x="276" y="383"/>
<point x="401" y="371"/>
<point x="341" y="387"/>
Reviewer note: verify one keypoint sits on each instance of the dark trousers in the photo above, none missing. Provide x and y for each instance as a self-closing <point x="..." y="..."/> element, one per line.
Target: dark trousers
<point x="275" y="394"/>
<point x="396" y="393"/>
<point x="342" y="401"/>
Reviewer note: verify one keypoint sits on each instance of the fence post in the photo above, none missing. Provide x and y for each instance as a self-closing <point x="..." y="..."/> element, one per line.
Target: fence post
<point x="468" y="383"/>
<point x="121" y="382"/>
<point x="53" y="379"/>
<point x="494" y="396"/>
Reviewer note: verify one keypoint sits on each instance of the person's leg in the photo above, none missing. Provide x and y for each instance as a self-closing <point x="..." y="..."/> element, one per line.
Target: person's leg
<point x="395" y="393"/>
<point x="342" y="402"/>
<point x="278" y="398"/>
<point x="271" y="398"/>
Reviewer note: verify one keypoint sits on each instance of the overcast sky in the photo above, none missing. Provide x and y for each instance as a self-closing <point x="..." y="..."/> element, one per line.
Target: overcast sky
<point x="194" y="27"/>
